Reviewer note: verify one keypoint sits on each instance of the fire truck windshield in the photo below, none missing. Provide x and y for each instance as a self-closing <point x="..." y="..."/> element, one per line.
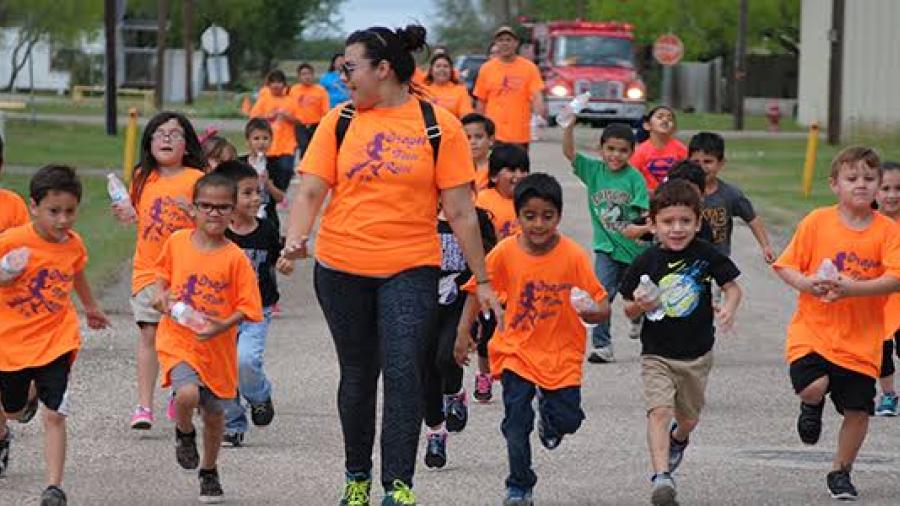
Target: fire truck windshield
<point x="587" y="50"/>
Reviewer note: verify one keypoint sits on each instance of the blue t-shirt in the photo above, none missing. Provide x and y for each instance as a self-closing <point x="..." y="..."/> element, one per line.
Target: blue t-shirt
<point x="337" y="90"/>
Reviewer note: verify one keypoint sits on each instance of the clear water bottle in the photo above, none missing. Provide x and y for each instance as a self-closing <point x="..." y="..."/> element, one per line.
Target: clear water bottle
<point x="189" y="317"/>
<point x="13" y="263"/>
<point x="118" y="194"/>
<point x="259" y="163"/>
<point x="648" y="289"/>
<point x="569" y="112"/>
<point x="827" y="271"/>
<point x="582" y="301"/>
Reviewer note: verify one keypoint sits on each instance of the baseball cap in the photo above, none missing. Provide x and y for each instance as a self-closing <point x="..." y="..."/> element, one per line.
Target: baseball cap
<point x="506" y="29"/>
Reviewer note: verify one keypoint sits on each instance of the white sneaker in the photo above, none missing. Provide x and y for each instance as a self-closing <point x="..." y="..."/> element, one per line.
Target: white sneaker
<point x="601" y="355"/>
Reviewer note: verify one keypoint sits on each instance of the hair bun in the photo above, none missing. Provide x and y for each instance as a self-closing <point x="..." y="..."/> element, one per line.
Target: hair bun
<point x="412" y="37"/>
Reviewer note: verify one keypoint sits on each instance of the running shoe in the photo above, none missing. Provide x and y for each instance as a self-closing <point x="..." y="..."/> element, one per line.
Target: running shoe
<point x="53" y="496"/>
<point x="483" y="387"/>
<point x="356" y="490"/>
<point x="142" y="418"/>
<point x="676" y="449"/>
<point x="602" y="355"/>
<point x="186" y="449"/>
<point x="235" y="439"/>
<point x="809" y="423"/>
<point x="840" y="487"/>
<point x="436" y="449"/>
<point x="210" y="487"/>
<point x="888" y="405"/>
<point x="516" y="496"/>
<point x="663" y="490"/>
<point x="399" y="495"/>
<point x="262" y="413"/>
<point x="456" y="411"/>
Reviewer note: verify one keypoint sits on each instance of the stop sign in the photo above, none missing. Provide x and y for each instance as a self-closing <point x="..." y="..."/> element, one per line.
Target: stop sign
<point x="668" y="49"/>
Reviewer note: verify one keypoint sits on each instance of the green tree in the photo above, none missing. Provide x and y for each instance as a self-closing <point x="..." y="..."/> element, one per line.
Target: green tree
<point x="463" y="27"/>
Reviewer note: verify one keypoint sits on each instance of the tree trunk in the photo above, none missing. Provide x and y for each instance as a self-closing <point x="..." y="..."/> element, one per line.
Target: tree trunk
<point x="28" y="41"/>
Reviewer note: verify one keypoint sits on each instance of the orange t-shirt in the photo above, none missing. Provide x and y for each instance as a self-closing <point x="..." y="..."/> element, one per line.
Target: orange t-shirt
<point x="13" y="211"/>
<point x="453" y="97"/>
<point x="284" y="138"/>
<point x="38" y="321"/>
<point x="216" y="283"/>
<point x="543" y="339"/>
<point x="503" y="212"/>
<point x="312" y="102"/>
<point x="848" y="332"/>
<point x="418" y="76"/>
<point x="382" y="214"/>
<point x="482" y="176"/>
<point x="162" y="209"/>
<point x="506" y="90"/>
<point x="655" y="164"/>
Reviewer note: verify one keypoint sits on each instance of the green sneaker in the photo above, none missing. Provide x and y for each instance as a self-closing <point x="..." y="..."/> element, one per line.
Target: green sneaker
<point x="356" y="490"/>
<point x="399" y="495"/>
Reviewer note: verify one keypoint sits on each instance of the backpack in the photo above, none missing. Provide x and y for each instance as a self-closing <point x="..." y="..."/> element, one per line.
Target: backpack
<point x="432" y="129"/>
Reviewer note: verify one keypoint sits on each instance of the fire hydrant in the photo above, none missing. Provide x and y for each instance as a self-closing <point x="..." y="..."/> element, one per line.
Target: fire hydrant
<point x="773" y="114"/>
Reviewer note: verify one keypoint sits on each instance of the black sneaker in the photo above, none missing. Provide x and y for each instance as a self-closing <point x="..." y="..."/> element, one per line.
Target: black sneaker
<point x="262" y="413"/>
<point x="549" y="438"/>
<point x="840" y="487"/>
<point x="4" y="452"/>
<point x="186" y="449"/>
<point x="235" y="439"/>
<point x="809" y="423"/>
<point x="436" y="450"/>
<point x="30" y="410"/>
<point x="53" y="496"/>
<point x="457" y="411"/>
<point x="210" y="488"/>
<point x="676" y="449"/>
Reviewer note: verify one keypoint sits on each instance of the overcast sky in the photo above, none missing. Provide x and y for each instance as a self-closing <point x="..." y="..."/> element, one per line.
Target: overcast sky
<point x="360" y="14"/>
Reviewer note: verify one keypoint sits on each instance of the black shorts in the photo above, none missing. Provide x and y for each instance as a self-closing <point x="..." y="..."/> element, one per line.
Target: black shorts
<point x="51" y="381"/>
<point x="849" y="389"/>
<point x="887" y="361"/>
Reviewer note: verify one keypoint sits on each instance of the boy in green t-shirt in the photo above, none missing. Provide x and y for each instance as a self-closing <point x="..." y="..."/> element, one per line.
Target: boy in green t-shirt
<point x="617" y="196"/>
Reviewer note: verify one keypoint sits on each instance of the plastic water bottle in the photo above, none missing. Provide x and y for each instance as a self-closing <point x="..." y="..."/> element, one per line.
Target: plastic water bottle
<point x="569" y="112"/>
<point x="648" y="289"/>
<point x="827" y="271"/>
<point x="189" y="317"/>
<point x="118" y="194"/>
<point x="13" y="263"/>
<point x="582" y="302"/>
<point x="259" y="163"/>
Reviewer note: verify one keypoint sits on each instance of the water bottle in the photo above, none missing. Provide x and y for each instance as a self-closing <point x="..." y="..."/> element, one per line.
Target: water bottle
<point x="569" y="112"/>
<point x="189" y="317"/>
<point x="582" y="302"/>
<point x="13" y="263"/>
<point x="118" y="194"/>
<point x="259" y="163"/>
<point x="648" y="289"/>
<point x="827" y="271"/>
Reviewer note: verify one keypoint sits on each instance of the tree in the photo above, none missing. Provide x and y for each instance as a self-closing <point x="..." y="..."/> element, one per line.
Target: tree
<point x="56" y="21"/>
<point x="462" y="27"/>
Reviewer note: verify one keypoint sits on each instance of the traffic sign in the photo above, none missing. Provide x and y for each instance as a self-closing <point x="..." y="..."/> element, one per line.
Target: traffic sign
<point x="668" y="49"/>
<point x="214" y="40"/>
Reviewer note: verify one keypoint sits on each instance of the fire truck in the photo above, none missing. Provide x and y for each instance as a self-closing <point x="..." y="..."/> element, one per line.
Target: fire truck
<point x="579" y="56"/>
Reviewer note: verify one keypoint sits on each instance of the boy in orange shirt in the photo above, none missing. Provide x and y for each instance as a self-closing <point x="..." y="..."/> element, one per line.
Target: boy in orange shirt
<point x="539" y="347"/>
<point x="202" y="269"/>
<point x="834" y="341"/>
<point x="480" y="132"/>
<point x="38" y="322"/>
<point x="312" y="104"/>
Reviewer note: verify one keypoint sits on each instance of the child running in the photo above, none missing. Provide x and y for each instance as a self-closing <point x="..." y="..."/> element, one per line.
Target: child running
<point x="656" y="156"/>
<point x="170" y="164"/>
<point x="261" y="243"/>
<point x="834" y="341"/>
<point x="202" y="270"/>
<point x="539" y="348"/>
<point x="888" y="198"/>
<point x="39" y="332"/>
<point x="723" y="201"/>
<point x="273" y="184"/>
<point x="617" y="195"/>
<point x="480" y="132"/>
<point x="678" y="333"/>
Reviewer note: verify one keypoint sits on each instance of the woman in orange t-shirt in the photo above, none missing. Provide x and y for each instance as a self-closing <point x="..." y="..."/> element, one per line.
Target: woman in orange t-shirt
<point x="377" y="253"/>
<point x="161" y="193"/>
<point x="444" y="89"/>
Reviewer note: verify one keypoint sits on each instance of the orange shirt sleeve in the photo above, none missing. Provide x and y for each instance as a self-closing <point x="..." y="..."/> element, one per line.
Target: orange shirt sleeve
<point x="263" y="106"/>
<point x="13" y="211"/>
<point x="320" y="158"/>
<point x="482" y="83"/>
<point x="798" y="253"/>
<point x="587" y="279"/>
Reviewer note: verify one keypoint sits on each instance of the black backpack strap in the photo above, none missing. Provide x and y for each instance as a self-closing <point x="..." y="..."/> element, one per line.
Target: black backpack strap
<point x="432" y="129"/>
<point x="343" y="123"/>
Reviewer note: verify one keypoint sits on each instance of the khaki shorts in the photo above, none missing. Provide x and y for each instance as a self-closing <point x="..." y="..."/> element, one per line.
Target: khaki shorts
<point x="142" y="306"/>
<point x="679" y="384"/>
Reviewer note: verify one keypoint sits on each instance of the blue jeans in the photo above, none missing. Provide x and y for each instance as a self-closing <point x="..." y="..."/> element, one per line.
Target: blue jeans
<point x="610" y="273"/>
<point x="253" y="386"/>
<point x="561" y="410"/>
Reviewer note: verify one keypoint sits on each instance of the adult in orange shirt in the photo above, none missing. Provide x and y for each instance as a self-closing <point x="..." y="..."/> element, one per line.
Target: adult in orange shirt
<point x="312" y="104"/>
<point x="507" y="166"/>
<point x="161" y="192"/>
<point x="834" y="340"/>
<point x="12" y="207"/>
<point x="508" y="89"/>
<point x="39" y="332"/>
<point x="283" y="113"/>
<point x="539" y="349"/>
<point x="445" y="90"/>
<point x="377" y="253"/>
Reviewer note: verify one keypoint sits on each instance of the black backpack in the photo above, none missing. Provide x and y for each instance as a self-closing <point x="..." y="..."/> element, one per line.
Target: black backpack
<point x="432" y="129"/>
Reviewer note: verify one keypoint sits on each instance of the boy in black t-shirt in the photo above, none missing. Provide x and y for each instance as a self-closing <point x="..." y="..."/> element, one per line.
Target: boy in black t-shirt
<point x="262" y="244"/>
<point x="676" y="354"/>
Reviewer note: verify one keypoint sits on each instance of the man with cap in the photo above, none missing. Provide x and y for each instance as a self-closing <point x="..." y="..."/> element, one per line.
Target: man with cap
<point x="508" y="89"/>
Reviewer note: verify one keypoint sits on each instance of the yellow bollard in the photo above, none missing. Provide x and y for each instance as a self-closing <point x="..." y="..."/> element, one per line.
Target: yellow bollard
<point x="809" y="165"/>
<point x="130" y="139"/>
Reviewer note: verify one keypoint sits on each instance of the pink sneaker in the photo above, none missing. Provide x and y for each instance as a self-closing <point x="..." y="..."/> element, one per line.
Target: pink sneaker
<point x="142" y="419"/>
<point x="170" y="408"/>
<point x="483" y="387"/>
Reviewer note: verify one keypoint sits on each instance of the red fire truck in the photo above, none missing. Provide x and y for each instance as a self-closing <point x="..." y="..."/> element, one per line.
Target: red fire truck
<point x="579" y="56"/>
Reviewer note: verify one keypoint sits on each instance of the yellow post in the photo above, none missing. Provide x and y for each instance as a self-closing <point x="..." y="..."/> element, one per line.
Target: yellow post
<point x="809" y="165"/>
<point x="130" y="139"/>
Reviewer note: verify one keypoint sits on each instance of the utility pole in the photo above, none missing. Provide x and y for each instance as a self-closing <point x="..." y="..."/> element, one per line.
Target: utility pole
<point x="505" y="13"/>
<point x="740" y="67"/>
<point x="162" y="20"/>
<point x="835" y="72"/>
<point x="109" y="31"/>
<point x="188" y="19"/>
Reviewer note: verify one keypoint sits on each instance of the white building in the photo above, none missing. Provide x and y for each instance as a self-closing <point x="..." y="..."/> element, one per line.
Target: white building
<point x="870" y="98"/>
<point x="47" y="71"/>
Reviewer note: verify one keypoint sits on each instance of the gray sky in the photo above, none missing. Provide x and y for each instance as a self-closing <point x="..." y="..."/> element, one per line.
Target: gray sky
<point x="359" y="14"/>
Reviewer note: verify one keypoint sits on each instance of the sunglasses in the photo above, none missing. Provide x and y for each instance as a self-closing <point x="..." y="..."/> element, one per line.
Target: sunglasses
<point x="208" y="208"/>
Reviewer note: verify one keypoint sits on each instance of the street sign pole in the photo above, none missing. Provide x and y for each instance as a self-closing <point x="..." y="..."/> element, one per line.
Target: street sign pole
<point x="215" y="38"/>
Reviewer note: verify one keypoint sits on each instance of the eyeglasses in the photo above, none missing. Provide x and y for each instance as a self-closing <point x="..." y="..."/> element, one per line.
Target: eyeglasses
<point x="348" y="68"/>
<point x="220" y="209"/>
<point x="173" y="136"/>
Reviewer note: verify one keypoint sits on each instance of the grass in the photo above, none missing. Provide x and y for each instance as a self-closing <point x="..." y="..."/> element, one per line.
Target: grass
<point x="39" y="143"/>
<point x="206" y="105"/>
<point x="718" y="122"/>
<point x="109" y="243"/>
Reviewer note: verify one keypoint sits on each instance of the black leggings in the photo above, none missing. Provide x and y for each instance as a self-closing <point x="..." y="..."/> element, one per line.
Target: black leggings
<point x="442" y="374"/>
<point x="380" y="325"/>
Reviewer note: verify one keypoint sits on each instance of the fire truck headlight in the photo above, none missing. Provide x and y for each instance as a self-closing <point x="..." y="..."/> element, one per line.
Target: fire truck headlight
<point x="634" y="93"/>
<point x="560" y="91"/>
